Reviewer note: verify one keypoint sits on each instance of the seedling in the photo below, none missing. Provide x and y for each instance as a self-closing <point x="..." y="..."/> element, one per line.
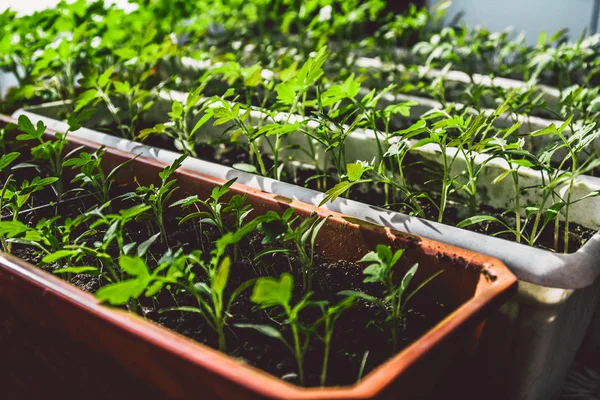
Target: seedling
<point x="184" y="136"/>
<point x="158" y="196"/>
<point x="91" y="176"/>
<point x="272" y="292"/>
<point x="51" y="151"/>
<point x="210" y="295"/>
<point x="303" y="237"/>
<point x="396" y="298"/>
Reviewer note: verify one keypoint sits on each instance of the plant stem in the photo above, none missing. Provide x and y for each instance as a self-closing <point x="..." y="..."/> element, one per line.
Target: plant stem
<point x="515" y="176"/>
<point x="327" y="342"/>
<point x="298" y="352"/>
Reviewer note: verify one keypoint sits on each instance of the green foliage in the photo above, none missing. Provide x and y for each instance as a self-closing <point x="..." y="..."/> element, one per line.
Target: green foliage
<point x="396" y="297"/>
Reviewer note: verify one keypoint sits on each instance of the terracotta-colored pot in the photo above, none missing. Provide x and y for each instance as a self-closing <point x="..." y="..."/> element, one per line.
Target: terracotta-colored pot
<point x="112" y="344"/>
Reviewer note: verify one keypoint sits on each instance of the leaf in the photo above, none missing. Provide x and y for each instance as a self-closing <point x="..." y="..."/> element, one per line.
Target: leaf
<point x="75" y="119"/>
<point x="134" y="266"/>
<point x="77" y="270"/>
<point x="269" y="292"/>
<point x="134" y="211"/>
<point x="355" y="171"/>
<point x="286" y="93"/>
<point x="265" y="330"/>
<point x="476" y="220"/>
<point x="336" y="191"/>
<point x="407" y="279"/>
<point x="176" y="110"/>
<point x="186" y="202"/>
<point x="364" y="296"/>
<point x="201" y="122"/>
<point x="220" y="281"/>
<point x="60" y="254"/>
<point x="85" y="98"/>
<point x="104" y="78"/>
<point x="145" y="245"/>
<point x="26" y="126"/>
<point x="122" y="87"/>
<point x="12" y="228"/>
<point x="7" y="159"/>
<point x="183" y="309"/>
<point x="119" y="293"/>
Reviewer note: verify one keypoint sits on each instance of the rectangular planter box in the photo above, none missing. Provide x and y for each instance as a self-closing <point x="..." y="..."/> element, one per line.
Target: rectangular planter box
<point x="538" y="332"/>
<point x="176" y="367"/>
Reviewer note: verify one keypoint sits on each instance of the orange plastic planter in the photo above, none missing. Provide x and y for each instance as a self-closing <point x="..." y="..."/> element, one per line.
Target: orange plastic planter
<point x="157" y="362"/>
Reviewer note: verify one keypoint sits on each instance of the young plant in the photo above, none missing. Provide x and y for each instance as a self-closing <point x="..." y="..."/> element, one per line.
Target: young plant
<point x="303" y="237"/>
<point x="330" y="316"/>
<point x="217" y="212"/>
<point x="51" y="151"/>
<point x="213" y="305"/>
<point x="91" y="175"/>
<point x="184" y="136"/>
<point x="115" y="233"/>
<point x="5" y="161"/>
<point x="271" y="292"/>
<point x="101" y="88"/>
<point x="396" y="298"/>
<point x="158" y="196"/>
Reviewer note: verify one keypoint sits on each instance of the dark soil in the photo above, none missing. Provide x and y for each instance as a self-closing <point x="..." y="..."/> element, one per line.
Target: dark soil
<point x="357" y="332"/>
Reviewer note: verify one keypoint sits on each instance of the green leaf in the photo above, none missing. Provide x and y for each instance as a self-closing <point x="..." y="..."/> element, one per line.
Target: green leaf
<point x="269" y="292"/>
<point x="77" y="270"/>
<point x="7" y="159"/>
<point x="145" y="245"/>
<point x="58" y="255"/>
<point x="265" y="330"/>
<point x="121" y="292"/>
<point x="26" y="126"/>
<point x="122" y="87"/>
<point x="201" y="122"/>
<point x="85" y="98"/>
<point x="407" y="279"/>
<point x="125" y="53"/>
<point x="183" y="309"/>
<point x="364" y="296"/>
<point x="12" y="228"/>
<point x="220" y="281"/>
<point x="286" y="93"/>
<point x="134" y="266"/>
<point x="104" y="78"/>
<point x="176" y="110"/>
<point x="336" y="191"/>
<point x="355" y="171"/>
<point x="476" y="220"/>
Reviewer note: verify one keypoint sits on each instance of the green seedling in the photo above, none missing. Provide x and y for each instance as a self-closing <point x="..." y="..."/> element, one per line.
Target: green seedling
<point x="396" y="298"/>
<point x="183" y="135"/>
<point x="213" y="304"/>
<point x="303" y="237"/>
<point x="272" y="292"/>
<point x="91" y="175"/>
<point x="51" y="152"/>
<point x="157" y="197"/>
